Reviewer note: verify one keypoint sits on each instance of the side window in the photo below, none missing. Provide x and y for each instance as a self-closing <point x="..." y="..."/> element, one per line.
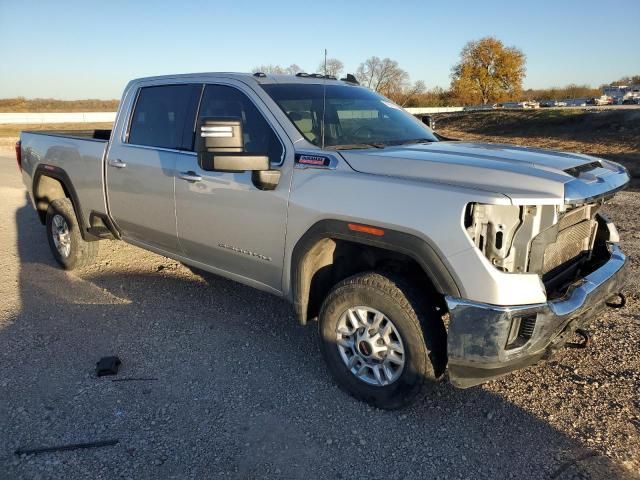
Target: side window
<point x="164" y="116"/>
<point x="228" y="102"/>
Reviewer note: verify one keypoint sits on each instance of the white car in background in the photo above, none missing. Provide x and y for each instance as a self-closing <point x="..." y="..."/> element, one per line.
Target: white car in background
<point x="521" y="105"/>
<point x="576" y="102"/>
<point x="488" y="106"/>
<point x="553" y="103"/>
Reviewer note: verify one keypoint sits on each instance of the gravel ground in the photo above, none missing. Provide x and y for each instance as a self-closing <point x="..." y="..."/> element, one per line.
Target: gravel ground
<point x="240" y="390"/>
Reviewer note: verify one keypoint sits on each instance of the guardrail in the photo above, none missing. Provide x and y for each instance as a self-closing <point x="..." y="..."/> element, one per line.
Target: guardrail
<point x="109" y="117"/>
<point x="427" y="110"/>
<point x="49" y="117"/>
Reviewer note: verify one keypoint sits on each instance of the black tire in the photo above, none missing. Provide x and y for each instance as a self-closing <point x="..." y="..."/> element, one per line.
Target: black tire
<point x="417" y="322"/>
<point x="80" y="253"/>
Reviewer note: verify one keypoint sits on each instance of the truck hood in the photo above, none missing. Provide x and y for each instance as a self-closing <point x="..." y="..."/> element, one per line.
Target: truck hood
<point x="525" y="175"/>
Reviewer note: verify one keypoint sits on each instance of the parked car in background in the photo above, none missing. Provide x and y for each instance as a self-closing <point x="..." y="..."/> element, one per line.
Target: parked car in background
<point x="598" y="101"/>
<point x="576" y="102"/>
<point x="488" y="106"/>
<point x="512" y="105"/>
<point x="553" y="103"/>
<point x="523" y="105"/>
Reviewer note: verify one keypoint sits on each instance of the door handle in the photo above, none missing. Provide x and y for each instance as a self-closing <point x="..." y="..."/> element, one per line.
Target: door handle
<point x="190" y="176"/>
<point x="117" y="163"/>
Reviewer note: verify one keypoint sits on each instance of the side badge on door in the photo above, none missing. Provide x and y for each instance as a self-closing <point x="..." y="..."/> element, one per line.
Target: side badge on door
<point x="310" y="160"/>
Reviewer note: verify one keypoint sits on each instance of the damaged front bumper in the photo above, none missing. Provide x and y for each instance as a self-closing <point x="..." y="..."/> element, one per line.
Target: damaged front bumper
<point x="487" y="341"/>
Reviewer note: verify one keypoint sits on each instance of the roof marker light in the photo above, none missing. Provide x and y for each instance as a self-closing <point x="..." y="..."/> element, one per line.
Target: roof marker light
<point x="356" y="227"/>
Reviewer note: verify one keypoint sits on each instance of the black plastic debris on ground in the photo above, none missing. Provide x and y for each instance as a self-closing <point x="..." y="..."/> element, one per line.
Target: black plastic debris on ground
<point x="107" y="366"/>
<point x="71" y="446"/>
<point x="135" y="379"/>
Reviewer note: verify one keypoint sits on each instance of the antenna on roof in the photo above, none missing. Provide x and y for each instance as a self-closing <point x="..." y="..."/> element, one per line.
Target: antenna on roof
<point x="324" y="96"/>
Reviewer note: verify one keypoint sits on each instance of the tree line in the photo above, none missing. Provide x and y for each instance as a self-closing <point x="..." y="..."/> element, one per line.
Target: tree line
<point x="486" y="72"/>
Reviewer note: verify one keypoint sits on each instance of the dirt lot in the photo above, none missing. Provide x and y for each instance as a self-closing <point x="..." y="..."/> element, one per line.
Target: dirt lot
<point x="613" y="134"/>
<point x="240" y="390"/>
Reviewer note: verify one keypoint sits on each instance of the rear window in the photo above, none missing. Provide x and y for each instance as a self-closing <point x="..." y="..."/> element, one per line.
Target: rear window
<point x="164" y="116"/>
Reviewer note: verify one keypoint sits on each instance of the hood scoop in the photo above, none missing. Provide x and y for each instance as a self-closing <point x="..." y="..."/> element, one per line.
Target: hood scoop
<point x="580" y="169"/>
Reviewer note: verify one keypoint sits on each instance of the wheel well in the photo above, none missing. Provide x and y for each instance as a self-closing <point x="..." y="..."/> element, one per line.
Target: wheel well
<point x="331" y="260"/>
<point x="46" y="190"/>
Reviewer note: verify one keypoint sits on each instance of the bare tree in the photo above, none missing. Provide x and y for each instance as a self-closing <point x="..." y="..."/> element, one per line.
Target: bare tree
<point x="436" y="97"/>
<point x="382" y="75"/>
<point x="407" y="94"/>
<point x="277" y="69"/>
<point x="293" y="69"/>
<point x="268" y="69"/>
<point x="628" y="80"/>
<point x="334" y="67"/>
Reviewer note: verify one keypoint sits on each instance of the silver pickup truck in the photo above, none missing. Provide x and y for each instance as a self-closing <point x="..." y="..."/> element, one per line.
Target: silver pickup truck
<point x="417" y="254"/>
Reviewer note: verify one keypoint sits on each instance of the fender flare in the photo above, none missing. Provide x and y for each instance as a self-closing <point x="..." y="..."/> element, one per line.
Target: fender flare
<point x="423" y="252"/>
<point x="57" y="173"/>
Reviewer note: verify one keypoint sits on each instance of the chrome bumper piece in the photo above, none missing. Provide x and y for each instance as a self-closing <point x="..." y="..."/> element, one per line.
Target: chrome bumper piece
<point x="483" y="343"/>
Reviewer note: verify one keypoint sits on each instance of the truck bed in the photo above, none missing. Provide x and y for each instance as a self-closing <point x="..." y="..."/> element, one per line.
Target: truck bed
<point x="77" y="155"/>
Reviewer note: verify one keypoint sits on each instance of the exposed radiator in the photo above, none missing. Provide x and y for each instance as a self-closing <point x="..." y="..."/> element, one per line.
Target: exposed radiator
<point x="573" y="240"/>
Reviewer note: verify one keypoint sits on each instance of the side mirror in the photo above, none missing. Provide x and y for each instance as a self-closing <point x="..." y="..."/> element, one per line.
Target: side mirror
<point x="218" y="135"/>
<point x="429" y="121"/>
<point x="220" y="147"/>
<point x="234" y="162"/>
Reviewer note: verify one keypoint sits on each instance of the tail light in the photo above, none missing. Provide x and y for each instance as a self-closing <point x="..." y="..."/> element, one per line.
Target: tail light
<point x="19" y="154"/>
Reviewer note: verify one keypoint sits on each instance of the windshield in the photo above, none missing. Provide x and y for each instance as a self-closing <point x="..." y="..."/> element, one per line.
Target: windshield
<point x="355" y="117"/>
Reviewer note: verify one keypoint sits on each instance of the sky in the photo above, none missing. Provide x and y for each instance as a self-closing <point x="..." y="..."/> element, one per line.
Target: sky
<point x="90" y="49"/>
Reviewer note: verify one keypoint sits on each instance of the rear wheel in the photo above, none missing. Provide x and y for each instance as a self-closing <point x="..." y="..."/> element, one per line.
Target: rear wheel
<point x="63" y="233"/>
<point x="382" y="340"/>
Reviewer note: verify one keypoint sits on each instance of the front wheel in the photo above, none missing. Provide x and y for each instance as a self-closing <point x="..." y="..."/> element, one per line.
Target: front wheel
<point x="382" y="341"/>
<point x="63" y="233"/>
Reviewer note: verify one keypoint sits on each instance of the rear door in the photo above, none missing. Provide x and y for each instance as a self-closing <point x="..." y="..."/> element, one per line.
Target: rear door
<point x="224" y="221"/>
<point x="141" y="167"/>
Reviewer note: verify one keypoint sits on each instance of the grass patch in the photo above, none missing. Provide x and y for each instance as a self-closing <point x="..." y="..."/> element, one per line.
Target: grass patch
<point x="21" y="104"/>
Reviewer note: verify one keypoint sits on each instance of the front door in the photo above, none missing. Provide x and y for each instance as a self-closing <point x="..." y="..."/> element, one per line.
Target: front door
<point x="141" y="168"/>
<point x="224" y="221"/>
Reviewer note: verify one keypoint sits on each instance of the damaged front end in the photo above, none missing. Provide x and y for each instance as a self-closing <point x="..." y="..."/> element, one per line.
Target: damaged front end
<point x="574" y="250"/>
<point x="555" y="242"/>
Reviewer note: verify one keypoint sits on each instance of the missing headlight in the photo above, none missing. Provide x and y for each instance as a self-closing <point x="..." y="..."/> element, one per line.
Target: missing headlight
<point x="503" y="233"/>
